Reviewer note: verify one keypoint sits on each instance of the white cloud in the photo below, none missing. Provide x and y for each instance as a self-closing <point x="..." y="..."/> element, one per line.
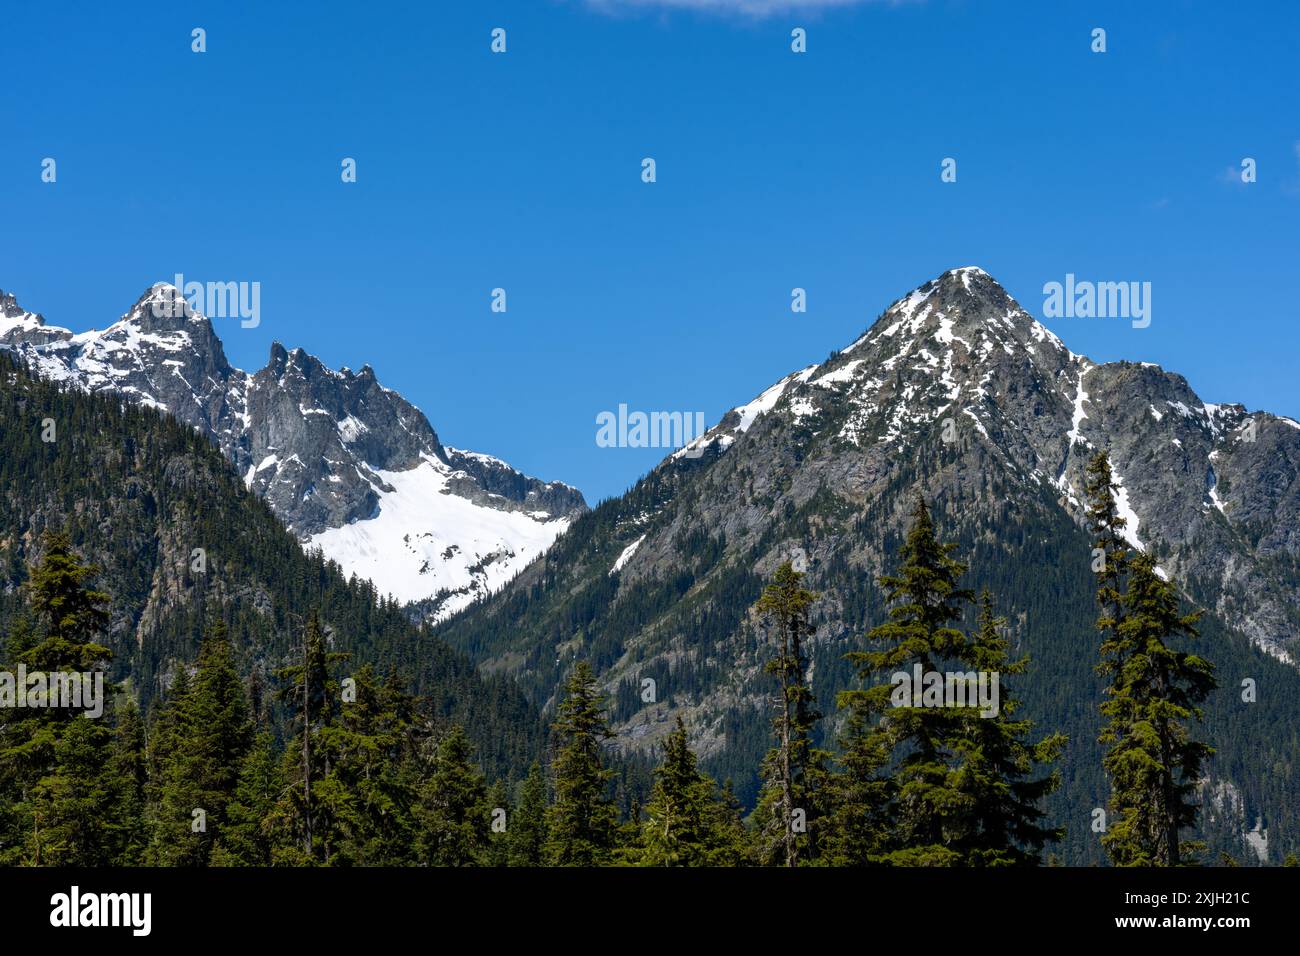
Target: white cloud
<point x="751" y="8"/>
<point x="1231" y="176"/>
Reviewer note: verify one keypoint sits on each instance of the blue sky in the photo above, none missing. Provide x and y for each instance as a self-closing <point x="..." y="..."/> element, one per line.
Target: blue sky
<point x="775" y="170"/>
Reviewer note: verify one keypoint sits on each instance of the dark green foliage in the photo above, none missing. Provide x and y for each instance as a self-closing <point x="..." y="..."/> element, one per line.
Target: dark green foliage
<point x="497" y="849"/>
<point x="203" y="734"/>
<point x="938" y="785"/>
<point x="454" y="816"/>
<point x="371" y="753"/>
<point x="687" y="822"/>
<point x="1154" y="765"/>
<point x="926" y="808"/>
<point x="995" y="764"/>
<point x="527" y="828"/>
<point x="135" y="492"/>
<point x="1154" y="690"/>
<point x="788" y="811"/>
<point x="582" y="821"/>
<point x="247" y="839"/>
<point x="69" y="786"/>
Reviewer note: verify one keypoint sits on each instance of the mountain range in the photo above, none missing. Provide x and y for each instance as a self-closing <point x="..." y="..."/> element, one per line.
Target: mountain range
<point x="955" y="393"/>
<point x="178" y="542"/>
<point x="351" y="467"/>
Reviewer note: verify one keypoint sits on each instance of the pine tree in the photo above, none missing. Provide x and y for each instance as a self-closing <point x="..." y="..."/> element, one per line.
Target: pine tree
<point x="203" y="735"/>
<point x="737" y="846"/>
<point x="686" y="824"/>
<point x="527" y="828"/>
<point x="73" y="805"/>
<point x="1155" y="690"/>
<point x="582" y="821"/>
<point x="313" y="810"/>
<point x="370" y="752"/>
<point x="1111" y="552"/>
<point x="497" y="850"/>
<point x="862" y="792"/>
<point x="248" y="838"/>
<point x="70" y="794"/>
<point x="915" y="827"/>
<point x="71" y="613"/>
<point x="173" y="793"/>
<point x="454" y="818"/>
<point x="792" y="770"/>
<point x="995" y="763"/>
<point x="130" y="772"/>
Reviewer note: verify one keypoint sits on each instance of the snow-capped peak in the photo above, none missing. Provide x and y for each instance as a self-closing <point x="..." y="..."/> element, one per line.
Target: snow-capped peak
<point x="347" y="464"/>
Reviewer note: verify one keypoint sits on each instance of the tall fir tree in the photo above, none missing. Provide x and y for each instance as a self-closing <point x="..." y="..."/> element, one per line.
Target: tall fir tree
<point x="582" y="822"/>
<point x="923" y="813"/>
<point x="313" y="810"/>
<point x="203" y="736"/>
<point x="130" y="771"/>
<point x="862" y="791"/>
<point x="249" y="836"/>
<point x="1111" y="553"/>
<point x="71" y="797"/>
<point x="793" y="771"/>
<point x="527" y="828"/>
<point x="496" y="852"/>
<point x="71" y="613"/>
<point x="370" y="754"/>
<point x="453" y="817"/>
<point x="1155" y="691"/>
<point x="996" y="764"/>
<point x="73" y="804"/>
<point x="687" y="822"/>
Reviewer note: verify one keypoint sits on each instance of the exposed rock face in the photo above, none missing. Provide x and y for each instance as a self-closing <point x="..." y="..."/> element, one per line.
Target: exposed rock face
<point x="1213" y="489"/>
<point x="323" y="447"/>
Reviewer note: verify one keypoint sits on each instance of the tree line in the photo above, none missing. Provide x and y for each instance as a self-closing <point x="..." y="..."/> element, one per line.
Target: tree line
<point x="366" y="774"/>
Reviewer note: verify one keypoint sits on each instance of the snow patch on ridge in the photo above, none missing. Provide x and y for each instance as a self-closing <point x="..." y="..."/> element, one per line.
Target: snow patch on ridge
<point x="1080" y="396"/>
<point x="1125" y="510"/>
<point x="626" y="555"/>
<point x="424" y="539"/>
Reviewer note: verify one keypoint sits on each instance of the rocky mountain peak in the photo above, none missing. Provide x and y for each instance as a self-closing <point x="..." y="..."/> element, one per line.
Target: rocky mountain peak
<point x="161" y="308"/>
<point x="957" y="361"/>
<point x="19" y="325"/>
<point x="348" y="465"/>
<point x="944" y="350"/>
<point x="9" y="307"/>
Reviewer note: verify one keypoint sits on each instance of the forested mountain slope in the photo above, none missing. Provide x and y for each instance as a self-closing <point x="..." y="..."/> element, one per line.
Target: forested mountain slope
<point x="180" y="540"/>
<point x="957" y="394"/>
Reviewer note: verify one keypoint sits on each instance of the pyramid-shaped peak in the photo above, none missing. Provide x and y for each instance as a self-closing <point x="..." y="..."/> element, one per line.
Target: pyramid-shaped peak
<point x="162" y="307"/>
<point x="965" y="305"/>
<point x="965" y="281"/>
<point x="967" y="294"/>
